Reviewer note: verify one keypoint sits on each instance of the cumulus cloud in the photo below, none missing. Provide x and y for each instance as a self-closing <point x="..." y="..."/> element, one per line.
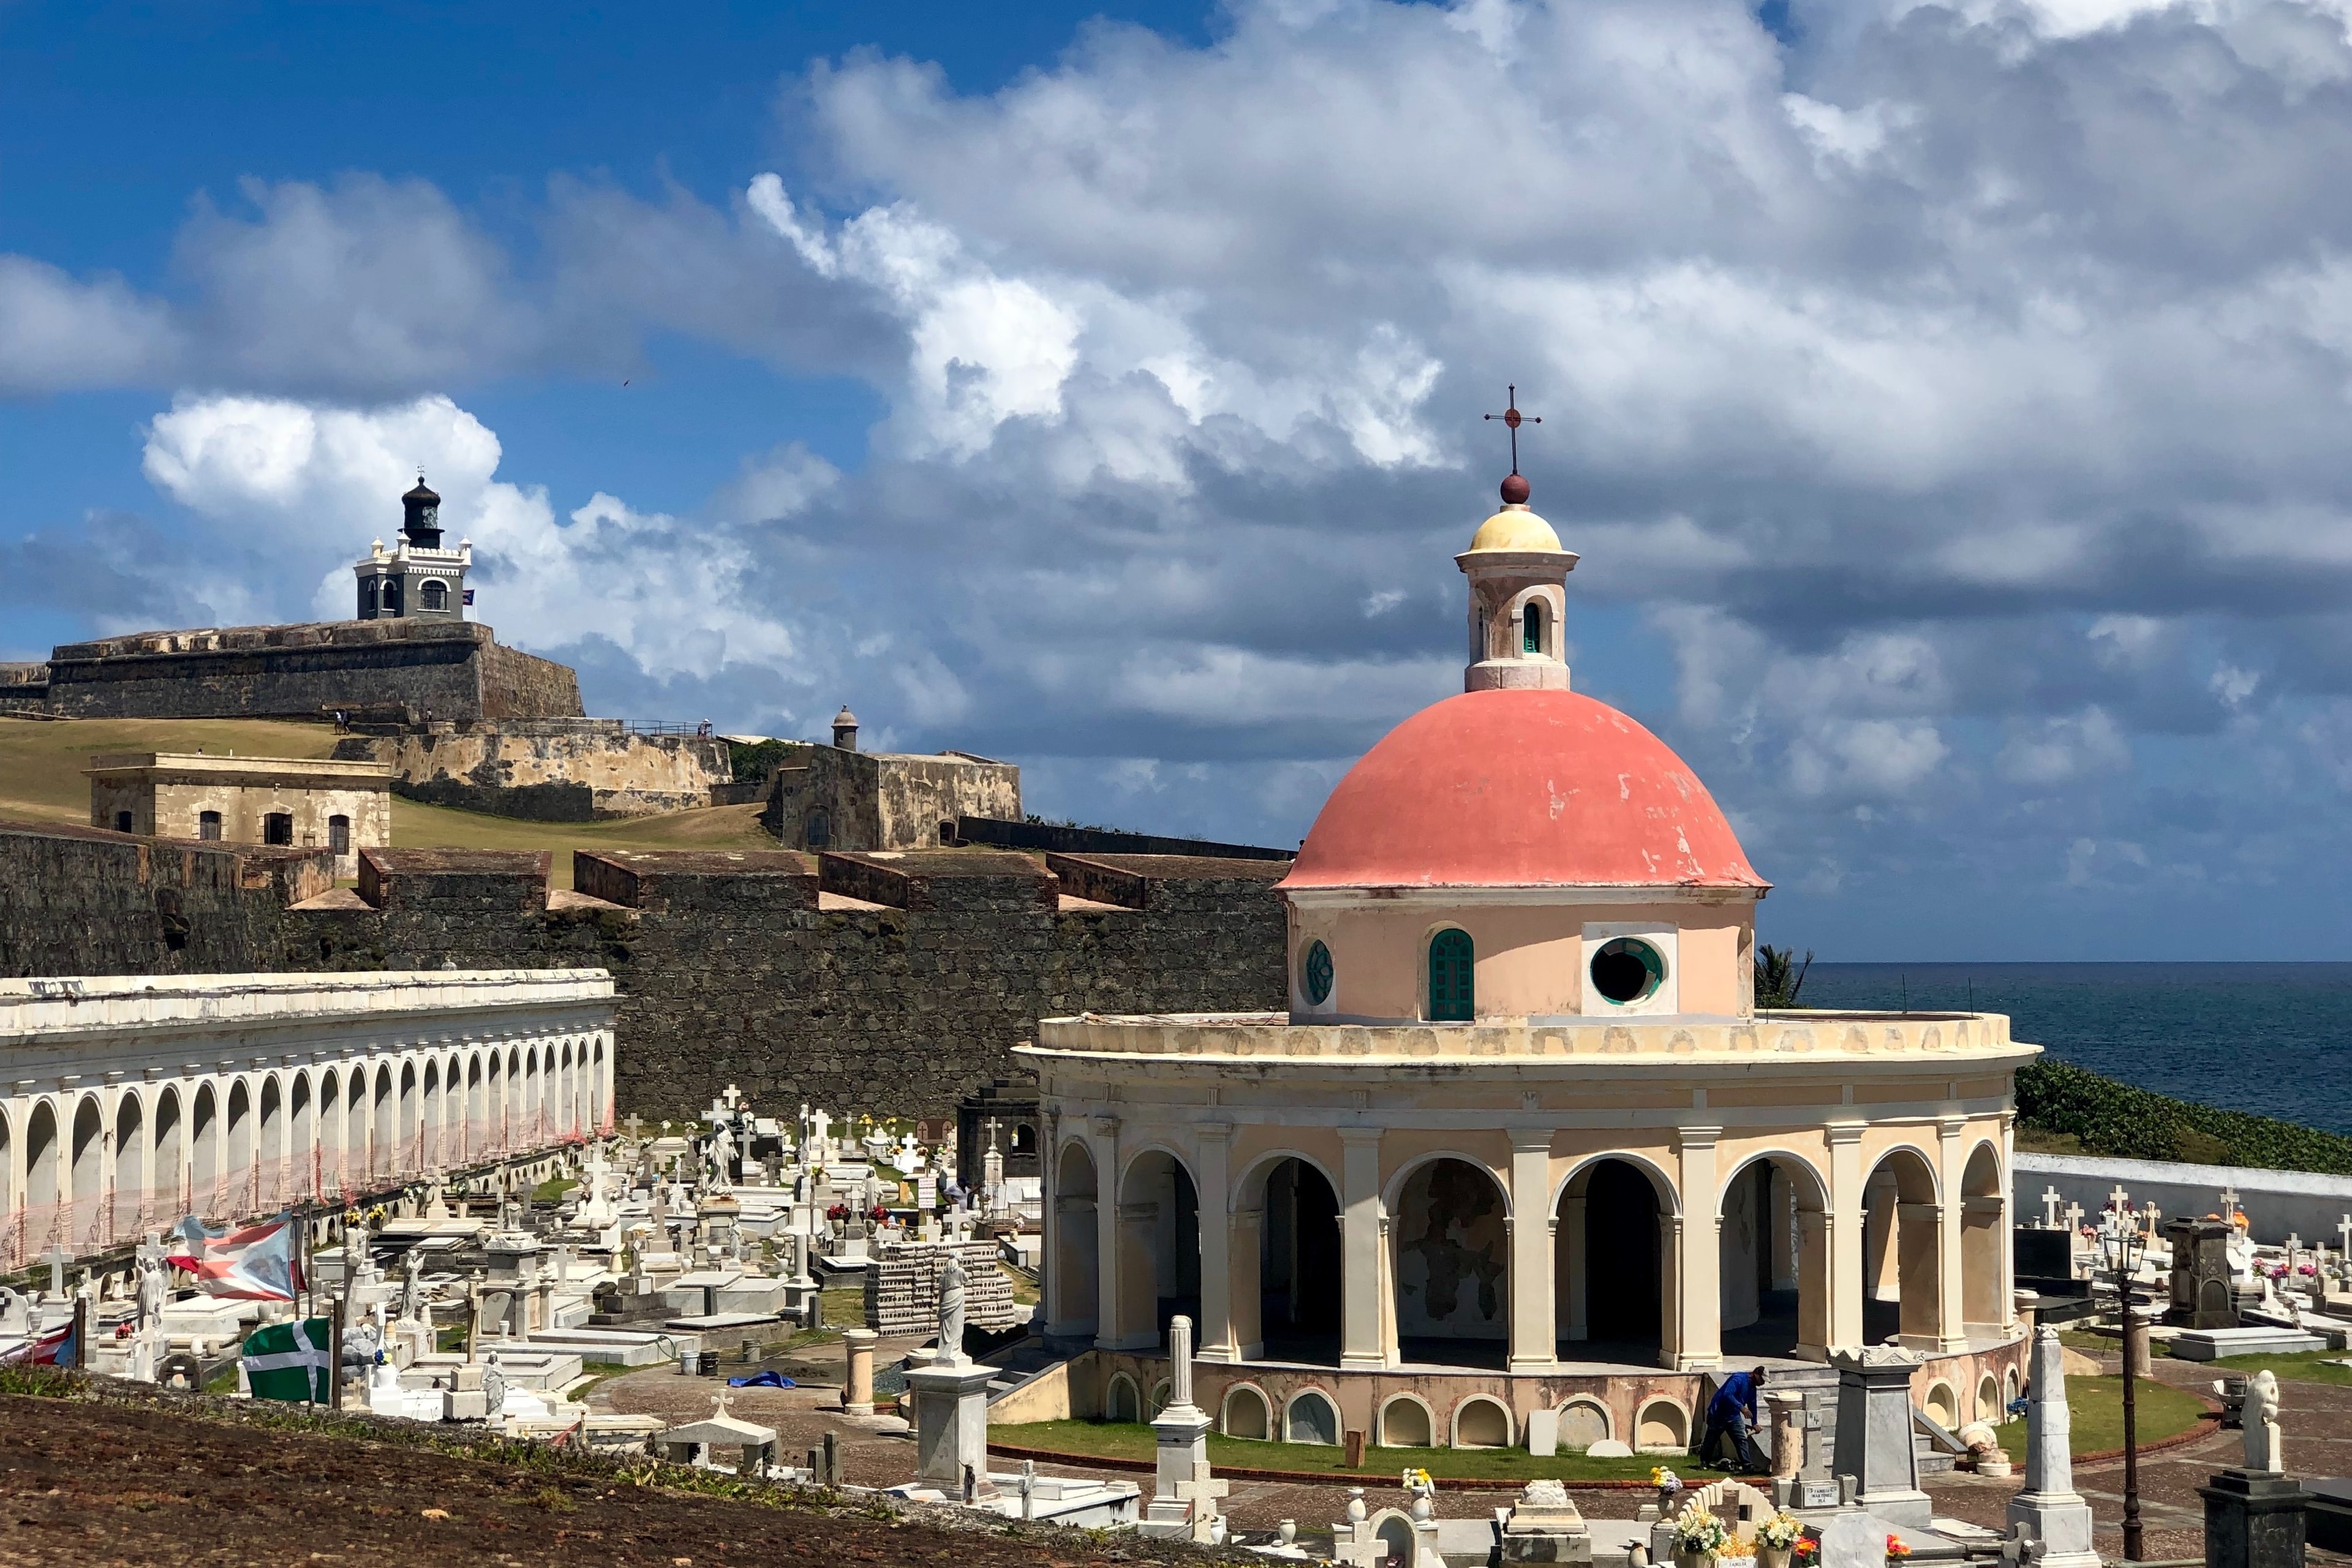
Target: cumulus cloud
<point x="1948" y="403"/>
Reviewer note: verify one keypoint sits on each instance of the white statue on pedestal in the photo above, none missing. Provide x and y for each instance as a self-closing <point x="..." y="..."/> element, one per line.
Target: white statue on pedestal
<point x="951" y="1287"/>
<point x="2265" y="1451"/>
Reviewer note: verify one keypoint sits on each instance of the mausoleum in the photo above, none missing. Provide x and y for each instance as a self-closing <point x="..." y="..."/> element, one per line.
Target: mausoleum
<point x="1523" y="1145"/>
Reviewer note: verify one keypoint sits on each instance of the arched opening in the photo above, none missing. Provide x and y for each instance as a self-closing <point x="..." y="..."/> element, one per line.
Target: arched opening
<point x="1902" y="1265"/>
<point x="433" y="595"/>
<point x="404" y="1138"/>
<point x="1584" y="1422"/>
<point x="236" y="1170"/>
<point x="303" y="1157"/>
<point x="328" y="1166"/>
<point x="1661" y="1426"/>
<point x="44" y="1194"/>
<point x="1299" y="1266"/>
<point x="1074" y="1276"/>
<point x="356" y="1142"/>
<point x="1452" y="1266"/>
<point x="1482" y="1423"/>
<point x="1247" y="1414"/>
<point x="392" y="596"/>
<point x="820" y="830"/>
<point x="170" y="1158"/>
<point x="534" y="1106"/>
<point x="1453" y="986"/>
<point x="1404" y="1423"/>
<point x="1158" y="1250"/>
<point x="495" y="1128"/>
<point x="1311" y="1418"/>
<point x="1531" y="628"/>
<point x="1121" y="1401"/>
<point x="203" y="1155"/>
<point x="471" y="1141"/>
<point x="1984" y="1208"/>
<point x="10" y="1258"/>
<point x="367" y="598"/>
<point x="1773" y="1260"/>
<point x="431" y="1140"/>
<point x="1024" y="1140"/>
<point x="132" y="1201"/>
<point x="598" y="1111"/>
<point x="88" y="1174"/>
<point x="1612" y="1261"/>
<point x="271" y="1186"/>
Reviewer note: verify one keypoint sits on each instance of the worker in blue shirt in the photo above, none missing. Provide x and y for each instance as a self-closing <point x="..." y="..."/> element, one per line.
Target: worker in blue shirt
<point x="1731" y="1414"/>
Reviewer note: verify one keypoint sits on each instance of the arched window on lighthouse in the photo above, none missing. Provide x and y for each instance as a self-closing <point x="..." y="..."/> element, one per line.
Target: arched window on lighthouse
<point x="1531" y="628"/>
<point x="434" y="595"/>
<point x="1451" y="994"/>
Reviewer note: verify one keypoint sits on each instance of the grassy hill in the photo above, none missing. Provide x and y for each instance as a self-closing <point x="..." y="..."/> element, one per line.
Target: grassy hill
<point x="41" y="781"/>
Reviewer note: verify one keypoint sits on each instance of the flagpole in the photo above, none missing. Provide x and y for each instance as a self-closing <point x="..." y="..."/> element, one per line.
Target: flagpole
<point x="80" y="1332"/>
<point x="335" y="1351"/>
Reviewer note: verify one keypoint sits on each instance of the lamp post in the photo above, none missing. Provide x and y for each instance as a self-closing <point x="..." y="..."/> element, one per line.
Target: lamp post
<point x="2121" y="1248"/>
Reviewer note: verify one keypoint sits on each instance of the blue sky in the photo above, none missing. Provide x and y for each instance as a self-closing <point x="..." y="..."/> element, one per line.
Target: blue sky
<point x="1948" y="400"/>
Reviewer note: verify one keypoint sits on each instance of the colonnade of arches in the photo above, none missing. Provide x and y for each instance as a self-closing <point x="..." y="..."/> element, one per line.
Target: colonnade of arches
<point x="1425" y="1263"/>
<point x="84" y="1168"/>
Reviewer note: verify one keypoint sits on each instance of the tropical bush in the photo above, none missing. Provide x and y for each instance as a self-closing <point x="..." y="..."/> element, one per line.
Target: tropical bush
<point x="2122" y="1123"/>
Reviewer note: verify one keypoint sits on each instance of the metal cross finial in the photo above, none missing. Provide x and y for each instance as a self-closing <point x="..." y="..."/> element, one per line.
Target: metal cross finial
<point x="1512" y="418"/>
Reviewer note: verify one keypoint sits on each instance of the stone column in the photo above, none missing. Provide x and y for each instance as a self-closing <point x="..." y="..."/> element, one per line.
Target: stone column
<point x="857" y="1378"/>
<point x="1137" y="1325"/>
<point x="1534" y="1338"/>
<point x="1670" y="1289"/>
<point x="2004" y="1249"/>
<point x="1363" y="1318"/>
<point x="1699" y="1284"/>
<point x="1843" y="1219"/>
<point x="1213" y="1218"/>
<point x="1952" y="1227"/>
<point x="1577" y="1291"/>
<point x="1103" y="1145"/>
<point x="1244" y="1284"/>
<point x="1180" y="1439"/>
<point x="2049" y="1511"/>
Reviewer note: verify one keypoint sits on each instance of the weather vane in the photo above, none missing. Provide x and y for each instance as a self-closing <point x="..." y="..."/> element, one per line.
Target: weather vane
<point x="1511" y="417"/>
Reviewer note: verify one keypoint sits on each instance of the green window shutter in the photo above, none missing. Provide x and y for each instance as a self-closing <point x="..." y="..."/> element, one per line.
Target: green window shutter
<point x="1451" y="994"/>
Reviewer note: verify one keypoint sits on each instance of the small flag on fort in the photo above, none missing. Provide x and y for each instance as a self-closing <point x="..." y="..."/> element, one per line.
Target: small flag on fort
<point x="250" y="1263"/>
<point x="290" y="1361"/>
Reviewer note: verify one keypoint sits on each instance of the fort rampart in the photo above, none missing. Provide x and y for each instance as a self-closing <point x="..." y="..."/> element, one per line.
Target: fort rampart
<point x="882" y="982"/>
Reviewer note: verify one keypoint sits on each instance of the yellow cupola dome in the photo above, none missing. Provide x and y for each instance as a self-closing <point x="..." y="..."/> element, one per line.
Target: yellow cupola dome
<point x="1515" y="528"/>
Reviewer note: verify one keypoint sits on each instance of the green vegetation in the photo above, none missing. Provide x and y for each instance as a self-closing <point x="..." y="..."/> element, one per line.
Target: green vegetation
<point x="2096" y="1405"/>
<point x="551" y="1190"/>
<point x="2116" y="1120"/>
<point x="1779" y="975"/>
<point x="2306" y="1367"/>
<point x="752" y="764"/>
<point x="845" y="1307"/>
<point x="1133" y="1440"/>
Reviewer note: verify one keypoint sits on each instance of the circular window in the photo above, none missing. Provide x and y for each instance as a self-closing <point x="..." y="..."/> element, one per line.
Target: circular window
<point x="1627" y="969"/>
<point x="1315" y="974"/>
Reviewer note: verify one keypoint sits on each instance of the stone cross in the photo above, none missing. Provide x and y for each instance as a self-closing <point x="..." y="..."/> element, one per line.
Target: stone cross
<point x="635" y="1124"/>
<point x="1203" y="1492"/>
<point x="2294" y="1245"/>
<point x="991" y="1125"/>
<point x="733" y="1096"/>
<point x="2119" y="1200"/>
<point x="57" y="1270"/>
<point x="2230" y="1203"/>
<point x="2075" y="1216"/>
<point x="2150" y="1214"/>
<point x="2051" y="1199"/>
<point x="2344" y="1229"/>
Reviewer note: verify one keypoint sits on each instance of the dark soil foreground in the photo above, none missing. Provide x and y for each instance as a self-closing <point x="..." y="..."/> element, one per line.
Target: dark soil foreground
<point x="110" y="1476"/>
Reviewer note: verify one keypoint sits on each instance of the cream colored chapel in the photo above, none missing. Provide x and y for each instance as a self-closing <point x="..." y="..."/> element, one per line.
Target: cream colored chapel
<point x="1522" y="1142"/>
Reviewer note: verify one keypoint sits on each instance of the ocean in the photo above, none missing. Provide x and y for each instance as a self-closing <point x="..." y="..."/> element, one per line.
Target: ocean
<point x="2272" y="1038"/>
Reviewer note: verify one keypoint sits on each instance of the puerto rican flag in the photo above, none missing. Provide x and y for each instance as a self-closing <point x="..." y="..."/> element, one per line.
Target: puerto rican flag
<point x="55" y="1348"/>
<point x="249" y="1263"/>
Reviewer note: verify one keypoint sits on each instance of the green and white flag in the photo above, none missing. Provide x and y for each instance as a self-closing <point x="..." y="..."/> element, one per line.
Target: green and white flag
<point x="291" y="1361"/>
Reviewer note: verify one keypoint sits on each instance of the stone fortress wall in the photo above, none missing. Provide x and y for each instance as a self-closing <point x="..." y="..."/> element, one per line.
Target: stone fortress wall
<point x="413" y="670"/>
<point x="546" y="770"/>
<point x="880" y="982"/>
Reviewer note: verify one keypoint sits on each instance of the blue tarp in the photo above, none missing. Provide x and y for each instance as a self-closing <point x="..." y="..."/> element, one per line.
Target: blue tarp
<point x="762" y="1380"/>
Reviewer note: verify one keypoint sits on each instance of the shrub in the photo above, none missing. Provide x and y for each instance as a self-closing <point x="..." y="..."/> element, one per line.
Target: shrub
<point x="2122" y="1123"/>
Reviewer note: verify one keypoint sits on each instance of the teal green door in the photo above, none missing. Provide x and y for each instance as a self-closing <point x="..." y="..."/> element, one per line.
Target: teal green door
<point x="1450" y="992"/>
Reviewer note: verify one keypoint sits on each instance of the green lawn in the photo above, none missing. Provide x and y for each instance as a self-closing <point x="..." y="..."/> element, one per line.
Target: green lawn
<point x="2097" y="1406"/>
<point x="845" y="1307"/>
<point x="2304" y="1367"/>
<point x="1133" y="1440"/>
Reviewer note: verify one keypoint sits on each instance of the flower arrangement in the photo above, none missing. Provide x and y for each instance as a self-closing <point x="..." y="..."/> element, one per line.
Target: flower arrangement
<point x="1781" y="1532"/>
<point x="1895" y="1550"/>
<point x="1665" y="1479"/>
<point x="1699" y="1531"/>
<point x="1415" y="1480"/>
<point x="1808" y="1548"/>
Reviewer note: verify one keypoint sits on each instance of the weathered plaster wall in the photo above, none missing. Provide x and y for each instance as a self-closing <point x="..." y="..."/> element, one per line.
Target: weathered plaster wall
<point x="548" y="770"/>
<point x="446" y="670"/>
<point x="877" y="983"/>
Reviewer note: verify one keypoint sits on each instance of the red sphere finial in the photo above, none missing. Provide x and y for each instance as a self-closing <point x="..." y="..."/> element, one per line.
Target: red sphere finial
<point x="1515" y="490"/>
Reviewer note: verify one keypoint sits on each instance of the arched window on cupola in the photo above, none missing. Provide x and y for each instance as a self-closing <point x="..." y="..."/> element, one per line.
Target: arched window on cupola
<point x="434" y="595"/>
<point x="1452" y="994"/>
<point x="1531" y="628"/>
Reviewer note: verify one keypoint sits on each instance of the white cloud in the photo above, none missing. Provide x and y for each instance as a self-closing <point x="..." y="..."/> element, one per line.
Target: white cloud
<point x="57" y="335"/>
<point x="2059" y="749"/>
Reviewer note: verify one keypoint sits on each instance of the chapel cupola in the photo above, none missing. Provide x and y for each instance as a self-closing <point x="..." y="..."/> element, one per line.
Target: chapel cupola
<point x="1519" y="594"/>
<point x="416" y="580"/>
